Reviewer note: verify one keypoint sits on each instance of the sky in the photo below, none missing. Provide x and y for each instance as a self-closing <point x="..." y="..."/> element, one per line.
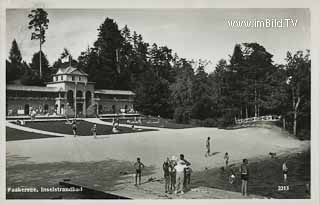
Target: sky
<point x="191" y="33"/>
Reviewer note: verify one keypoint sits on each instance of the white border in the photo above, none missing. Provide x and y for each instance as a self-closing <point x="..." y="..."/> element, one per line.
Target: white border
<point x="315" y="54"/>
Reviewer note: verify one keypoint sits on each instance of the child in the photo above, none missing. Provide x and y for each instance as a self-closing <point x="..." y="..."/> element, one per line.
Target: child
<point x="226" y="157"/>
<point x="187" y="177"/>
<point x="138" y="167"/>
<point x="232" y="177"/>
<point x="94" y="130"/>
<point x="172" y="172"/>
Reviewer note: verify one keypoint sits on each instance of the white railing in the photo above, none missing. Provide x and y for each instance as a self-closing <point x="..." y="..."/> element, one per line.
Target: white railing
<point x="268" y="118"/>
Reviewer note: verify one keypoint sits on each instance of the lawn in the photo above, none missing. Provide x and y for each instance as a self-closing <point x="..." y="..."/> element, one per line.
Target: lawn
<point x="265" y="177"/>
<point x="14" y="134"/>
<point x="83" y="128"/>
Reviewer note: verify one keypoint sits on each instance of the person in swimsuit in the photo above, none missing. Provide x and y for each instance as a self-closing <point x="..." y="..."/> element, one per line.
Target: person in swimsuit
<point x="285" y="171"/>
<point x="226" y="157"/>
<point x="138" y="167"/>
<point x="244" y="177"/>
<point x="166" y="172"/>
<point x="74" y="127"/>
<point x="207" y="147"/>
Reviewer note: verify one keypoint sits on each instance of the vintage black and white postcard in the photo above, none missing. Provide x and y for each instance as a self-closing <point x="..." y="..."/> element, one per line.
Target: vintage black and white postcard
<point x="121" y="103"/>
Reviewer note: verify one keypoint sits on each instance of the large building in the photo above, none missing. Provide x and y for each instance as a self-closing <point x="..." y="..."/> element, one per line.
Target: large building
<point x="68" y="94"/>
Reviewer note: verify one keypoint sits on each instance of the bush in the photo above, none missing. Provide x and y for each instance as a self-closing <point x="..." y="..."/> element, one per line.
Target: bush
<point x="181" y="115"/>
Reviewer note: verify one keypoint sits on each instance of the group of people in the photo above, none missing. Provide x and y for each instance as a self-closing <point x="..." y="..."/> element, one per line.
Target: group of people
<point x="177" y="174"/>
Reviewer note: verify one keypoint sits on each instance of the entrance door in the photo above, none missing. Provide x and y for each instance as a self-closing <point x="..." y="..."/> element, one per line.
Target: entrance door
<point x="26" y="109"/>
<point x="79" y="109"/>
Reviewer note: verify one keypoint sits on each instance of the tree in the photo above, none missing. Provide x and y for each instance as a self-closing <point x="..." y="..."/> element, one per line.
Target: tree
<point x="14" y="68"/>
<point x="47" y="71"/>
<point x="39" y="23"/>
<point x="299" y="81"/>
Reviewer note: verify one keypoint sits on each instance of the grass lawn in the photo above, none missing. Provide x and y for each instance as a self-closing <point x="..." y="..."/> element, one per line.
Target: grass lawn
<point x="83" y="128"/>
<point x="163" y="123"/>
<point x="14" y="134"/>
<point x="265" y="177"/>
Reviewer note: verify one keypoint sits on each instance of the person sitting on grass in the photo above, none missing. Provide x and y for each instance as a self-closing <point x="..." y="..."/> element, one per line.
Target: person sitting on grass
<point x="138" y="165"/>
<point x="232" y="177"/>
<point x="94" y="131"/>
<point x="244" y="177"/>
<point x="74" y="127"/>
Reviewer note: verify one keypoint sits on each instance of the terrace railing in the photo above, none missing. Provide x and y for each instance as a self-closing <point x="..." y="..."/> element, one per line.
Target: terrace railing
<point x="266" y="118"/>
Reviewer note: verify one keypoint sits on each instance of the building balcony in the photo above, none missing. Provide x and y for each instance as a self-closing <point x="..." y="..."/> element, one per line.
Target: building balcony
<point x="30" y="98"/>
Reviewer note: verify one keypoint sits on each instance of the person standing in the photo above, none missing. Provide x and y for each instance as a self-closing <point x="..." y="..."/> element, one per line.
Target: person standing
<point x="166" y="172"/>
<point x="172" y="171"/>
<point x="138" y="165"/>
<point x="181" y="165"/>
<point x="208" y="147"/>
<point x="226" y="158"/>
<point x="244" y="177"/>
<point x="74" y="127"/>
<point x="94" y="131"/>
<point x="285" y="171"/>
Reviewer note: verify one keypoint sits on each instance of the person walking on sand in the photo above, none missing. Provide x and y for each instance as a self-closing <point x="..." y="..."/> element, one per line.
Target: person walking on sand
<point x="138" y="165"/>
<point x="208" y="147"/>
<point x="244" y="177"/>
<point x="226" y="158"/>
<point x="166" y="172"/>
<point x="94" y="131"/>
<point x="181" y="165"/>
<point x="74" y="127"/>
<point x="285" y="171"/>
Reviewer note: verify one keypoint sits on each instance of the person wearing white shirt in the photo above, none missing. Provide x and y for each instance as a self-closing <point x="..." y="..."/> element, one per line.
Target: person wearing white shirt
<point x="181" y="165"/>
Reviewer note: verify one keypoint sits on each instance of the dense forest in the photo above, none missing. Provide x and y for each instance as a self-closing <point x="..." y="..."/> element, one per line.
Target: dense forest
<point x="247" y="84"/>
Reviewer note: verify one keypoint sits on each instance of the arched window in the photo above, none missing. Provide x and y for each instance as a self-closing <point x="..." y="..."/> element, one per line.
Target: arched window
<point x="88" y="98"/>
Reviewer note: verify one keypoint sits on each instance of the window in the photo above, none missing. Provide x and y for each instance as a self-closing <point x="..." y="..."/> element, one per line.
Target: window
<point x="72" y="78"/>
<point x="79" y="78"/>
<point x="56" y="78"/>
<point x="61" y="78"/>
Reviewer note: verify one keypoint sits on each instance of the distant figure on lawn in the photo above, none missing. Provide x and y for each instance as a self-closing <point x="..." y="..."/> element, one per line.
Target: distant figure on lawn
<point x="166" y="172"/>
<point x="207" y="147"/>
<point x="226" y="158"/>
<point x="138" y="165"/>
<point x="244" y="177"/>
<point x="94" y="131"/>
<point x="74" y="127"/>
<point x="285" y="171"/>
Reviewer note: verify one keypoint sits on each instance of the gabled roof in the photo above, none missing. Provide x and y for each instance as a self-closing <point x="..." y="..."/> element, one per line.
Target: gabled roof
<point x="71" y="70"/>
<point x="114" y="92"/>
<point x="31" y="88"/>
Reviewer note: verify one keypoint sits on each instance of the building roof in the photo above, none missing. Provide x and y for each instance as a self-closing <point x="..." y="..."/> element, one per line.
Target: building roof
<point x="114" y="92"/>
<point x="32" y="88"/>
<point x="70" y="70"/>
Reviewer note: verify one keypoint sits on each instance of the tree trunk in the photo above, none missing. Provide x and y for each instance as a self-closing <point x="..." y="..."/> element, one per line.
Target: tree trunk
<point x="40" y="73"/>
<point x="255" y="99"/>
<point x="295" y="115"/>
<point x="246" y="112"/>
